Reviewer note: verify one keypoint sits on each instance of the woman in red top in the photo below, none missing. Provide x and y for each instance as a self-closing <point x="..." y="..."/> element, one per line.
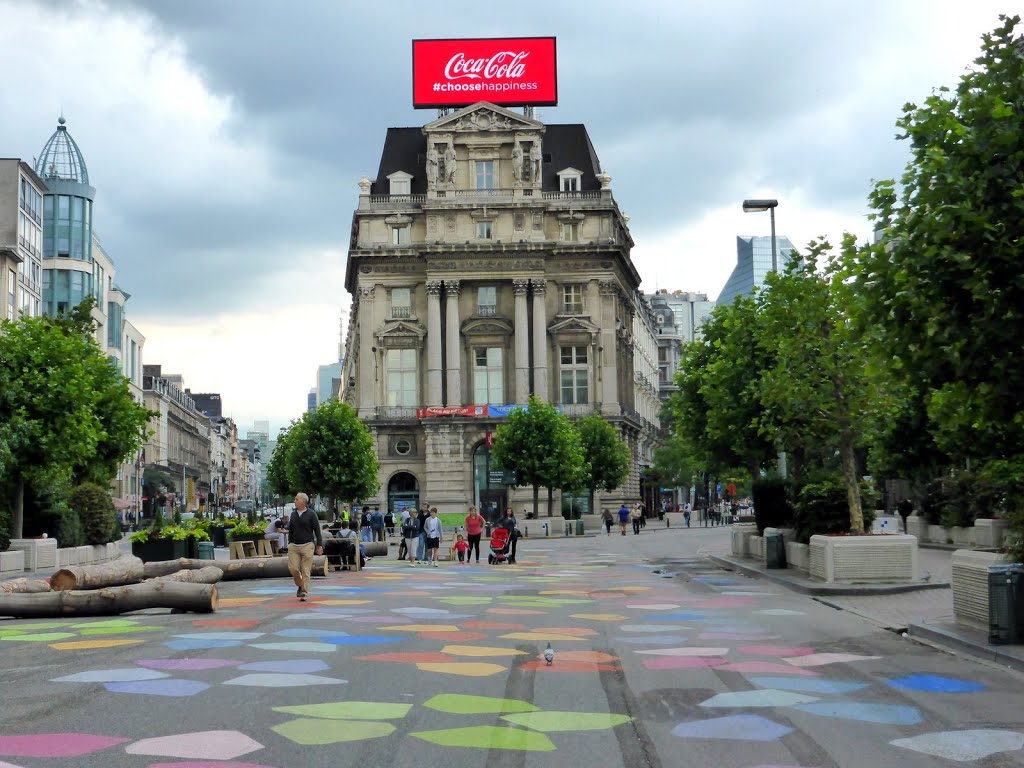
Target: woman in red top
<point x="474" y="529"/>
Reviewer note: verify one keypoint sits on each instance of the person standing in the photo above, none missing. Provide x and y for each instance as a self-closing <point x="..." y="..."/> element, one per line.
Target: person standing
<point x="421" y="545"/>
<point x="606" y="518"/>
<point x="510" y="524"/>
<point x="623" y="518"/>
<point x="474" y="530"/>
<point x="306" y="541"/>
<point x="410" y="536"/>
<point x="432" y="531"/>
<point x="377" y="524"/>
<point x="389" y="523"/>
<point x="635" y="515"/>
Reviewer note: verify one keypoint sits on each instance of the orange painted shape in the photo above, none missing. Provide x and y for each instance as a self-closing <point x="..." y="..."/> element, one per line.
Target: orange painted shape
<point x="454" y="636"/>
<point x="571" y="631"/>
<point x="408" y="658"/>
<point x="226" y="602"/>
<point x="493" y="625"/>
<point x="590" y="657"/>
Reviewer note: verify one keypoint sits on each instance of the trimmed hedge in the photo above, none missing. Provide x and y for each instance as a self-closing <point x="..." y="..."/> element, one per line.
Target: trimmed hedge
<point x="772" y="505"/>
<point x="5" y="531"/>
<point x="95" y="511"/>
<point x="821" y="507"/>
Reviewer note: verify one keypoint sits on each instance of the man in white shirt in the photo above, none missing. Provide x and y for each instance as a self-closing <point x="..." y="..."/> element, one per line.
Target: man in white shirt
<point x="277" y="532"/>
<point x="432" y="529"/>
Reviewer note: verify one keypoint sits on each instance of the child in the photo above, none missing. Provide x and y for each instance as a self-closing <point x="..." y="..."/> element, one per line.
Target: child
<point x="462" y="546"/>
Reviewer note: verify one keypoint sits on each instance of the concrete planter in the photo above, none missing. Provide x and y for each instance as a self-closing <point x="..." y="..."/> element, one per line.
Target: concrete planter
<point x="989" y="532"/>
<point x="798" y="556"/>
<point x="740" y="535"/>
<point x="84" y="555"/>
<point x="916" y="526"/>
<point x="864" y="559"/>
<point x="756" y="545"/>
<point x="12" y="562"/>
<point x="937" y="534"/>
<point x="40" y="554"/>
<point x="970" y="586"/>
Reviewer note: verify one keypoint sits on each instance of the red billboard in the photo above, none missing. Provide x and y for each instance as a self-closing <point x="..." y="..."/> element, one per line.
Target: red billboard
<point x="508" y="71"/>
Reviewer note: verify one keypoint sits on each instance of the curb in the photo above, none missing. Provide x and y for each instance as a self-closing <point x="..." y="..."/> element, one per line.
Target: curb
<point x="821" y="590"/>
<point x="951" y="639"/>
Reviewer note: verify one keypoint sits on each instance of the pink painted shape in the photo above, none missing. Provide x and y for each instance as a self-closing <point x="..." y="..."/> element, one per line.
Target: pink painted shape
<point x="202" y="745"/>
<point x="55" y="744"/>
<point x="681" y="662"/>
<point x="776" y="650"/>
<point x="769" y="667"/>
<point x="734" y="636"/>
<point x="190" y="664"/>
<point x="726" y="602"/>
<point x="218" y="764"/>
<point x="8" y="765"/>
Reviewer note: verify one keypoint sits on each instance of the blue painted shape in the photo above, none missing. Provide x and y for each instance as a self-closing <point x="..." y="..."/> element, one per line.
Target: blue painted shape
<point x="808" y="684"/>
<point x="199" y="645"/>
<point x="361" y="639"/>
<point x="297" y="666"/>
<point x="866" y="712"/>
<point x="678" y="617"/>
<point x="309" y="632"/>
<point x="653" y="640"/>
<point x="936" y="684"/>
<point x="735" y="727"/>
<point x="173" y="687"/>
<point x="708" y="580"/>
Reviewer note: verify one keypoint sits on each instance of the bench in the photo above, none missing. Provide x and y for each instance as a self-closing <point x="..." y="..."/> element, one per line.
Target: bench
<point x="240" y="550"/>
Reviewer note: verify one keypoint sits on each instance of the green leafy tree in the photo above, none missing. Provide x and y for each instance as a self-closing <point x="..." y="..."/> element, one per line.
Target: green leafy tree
<point x="543" y="448"/>
<point x="606" y="458"/>
<point x="95" y="509"/>
<point x="277" y="469"/>
<point x="331" y="453"/>
<point x="944" y="286"/>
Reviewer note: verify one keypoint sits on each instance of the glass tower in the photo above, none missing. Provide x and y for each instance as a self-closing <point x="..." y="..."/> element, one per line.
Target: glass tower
<point x="753" y="263"/>
<point x="68" y="270"/>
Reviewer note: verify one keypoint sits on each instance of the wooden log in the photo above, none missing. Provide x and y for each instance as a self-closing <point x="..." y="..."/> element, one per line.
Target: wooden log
<point x="123" y="570"/>
<point x="208" y="575"/>
<point x="25" y="586"/>
<point x="111" y="601"/>
<point x="165" y="567"/>
<point x="375" y="548"/>
<point x="267" y="568"/>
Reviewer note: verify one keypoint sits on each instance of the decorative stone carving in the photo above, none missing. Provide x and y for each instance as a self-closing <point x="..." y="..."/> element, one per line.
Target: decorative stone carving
<point x="364" y="186"/>
<point x="605" y="180"/>
<point x="449" y="222"/>
<point x="365" y="292"/>
<point x="451" y="288"/>
<point x="536" y="157"/>
<point x="608" y="287"/>
<point x="432" y="162"/>
<point x="433" y="287"/>
<point x="520" y="286"/>
<point x="517" y="162"/>
<point x="390" y="269"/>
<point x="488" y="265"/>
<point x="449" y="163"/>
<point x="538" y="222"/>
<point x="519" y="222"/>
<point x="431" y="225"/>
<point x="540" y="286"/>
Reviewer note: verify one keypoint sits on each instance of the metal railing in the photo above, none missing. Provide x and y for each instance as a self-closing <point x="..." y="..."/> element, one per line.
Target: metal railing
<point x="401" y="311"/>
<point x="487" y="310"/>
<point x="572" y="195"/>
<point x="396" y="199"/>
<point x="396" y="412"/>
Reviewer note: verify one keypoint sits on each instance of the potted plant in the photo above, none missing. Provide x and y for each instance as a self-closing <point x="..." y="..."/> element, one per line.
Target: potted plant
<point x="246" y="531"/>
<point x="219" y="530"/>
<point x="165" y="543"/>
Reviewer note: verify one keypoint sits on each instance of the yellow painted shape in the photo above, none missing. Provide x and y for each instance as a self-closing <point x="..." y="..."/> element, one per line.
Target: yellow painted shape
<point x="600" y="616"/>
<point x="77" y="645"/>
<point x="227" y="602"/>
<point x="539" y="636"/>
<point x="480" y="650"/>
<point x="464" y="668"/>
<point x="421" y="628"/>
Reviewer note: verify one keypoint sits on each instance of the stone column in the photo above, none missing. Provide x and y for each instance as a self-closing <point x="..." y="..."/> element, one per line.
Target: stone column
<point x="609" y="349"/>
<point x="434" y="371"/>
<point x="366" y="392"/>
<point x="453" y="357"/>
<point x="522" y="343"/>
<point x="540" y="340"/>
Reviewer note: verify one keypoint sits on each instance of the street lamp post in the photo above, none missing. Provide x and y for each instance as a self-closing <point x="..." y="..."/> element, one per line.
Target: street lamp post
<point x="754" y="206"/>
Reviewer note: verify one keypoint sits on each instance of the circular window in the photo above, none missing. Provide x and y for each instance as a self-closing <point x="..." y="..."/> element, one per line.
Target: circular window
<point x="403" y="447"/>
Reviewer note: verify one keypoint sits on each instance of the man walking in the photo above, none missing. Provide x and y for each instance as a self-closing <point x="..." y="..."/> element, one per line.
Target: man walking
<point x="306" y="541"/>
<point x="623" y="518"/>
<point x="432" y="532"/>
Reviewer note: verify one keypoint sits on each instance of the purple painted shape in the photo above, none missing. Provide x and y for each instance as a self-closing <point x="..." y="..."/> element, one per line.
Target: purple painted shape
<point x="56" y="744"/>
<point x="172" y="687"/>
<point x="187" y="664"/>
<point x="735" y="727"/>
<point x="682" y="662"/>
<point x="297" y="666"/>
<point x="766" y="667"/>
<point x="379" y="620"/>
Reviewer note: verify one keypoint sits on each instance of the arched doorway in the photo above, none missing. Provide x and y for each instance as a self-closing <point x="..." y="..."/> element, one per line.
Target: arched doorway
<point x="489" y="490"/>
<point x="403" y="493"/>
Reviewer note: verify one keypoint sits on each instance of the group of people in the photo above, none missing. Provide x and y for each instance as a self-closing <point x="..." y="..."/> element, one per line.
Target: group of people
<point x="625" y="515"/>
<point x="422" y="533"/>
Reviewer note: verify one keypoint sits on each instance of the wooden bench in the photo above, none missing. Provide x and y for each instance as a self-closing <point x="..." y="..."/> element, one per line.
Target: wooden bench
<point x="241" y="550"/>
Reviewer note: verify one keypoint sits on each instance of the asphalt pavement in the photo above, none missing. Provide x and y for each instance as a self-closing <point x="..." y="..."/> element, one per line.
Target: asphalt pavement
<point x="661" y="658"/>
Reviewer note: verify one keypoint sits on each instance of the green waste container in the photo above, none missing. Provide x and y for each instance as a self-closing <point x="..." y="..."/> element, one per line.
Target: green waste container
<point x="774" y="550"/>
<point x="580" y="530"/>
<point x="205" y="550"/>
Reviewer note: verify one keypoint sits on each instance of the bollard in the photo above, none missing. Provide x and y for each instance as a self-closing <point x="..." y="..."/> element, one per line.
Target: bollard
<point x="668" y="521"/>
<point x="526" y="531"/>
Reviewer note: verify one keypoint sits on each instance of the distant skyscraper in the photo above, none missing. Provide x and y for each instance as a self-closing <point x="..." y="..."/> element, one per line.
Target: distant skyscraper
<point x="311" y="400"/>
<point x="328" y="377"/>
<point x="753" y="263"/>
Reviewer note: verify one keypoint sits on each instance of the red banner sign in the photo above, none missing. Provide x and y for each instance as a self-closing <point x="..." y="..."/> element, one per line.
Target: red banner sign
<point x="451" y="410"/>
<point x="507" y="71"/>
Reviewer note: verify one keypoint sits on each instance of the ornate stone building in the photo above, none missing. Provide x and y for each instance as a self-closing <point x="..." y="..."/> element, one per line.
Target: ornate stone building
<point x="489" y="261"/>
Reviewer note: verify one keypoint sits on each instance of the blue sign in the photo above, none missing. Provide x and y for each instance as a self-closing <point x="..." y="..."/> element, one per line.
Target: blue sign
<point x="718" y="489"/>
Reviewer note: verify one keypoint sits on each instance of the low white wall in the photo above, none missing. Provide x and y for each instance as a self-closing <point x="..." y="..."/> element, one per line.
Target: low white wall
<point x="798" y="556"/>
<point x="12" y="562"/>
<point x="864" y="559"/>
<point x="970" y="586"/>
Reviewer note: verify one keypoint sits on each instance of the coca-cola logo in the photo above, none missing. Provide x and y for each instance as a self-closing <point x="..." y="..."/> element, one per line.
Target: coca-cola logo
<point x="506" y="65"/>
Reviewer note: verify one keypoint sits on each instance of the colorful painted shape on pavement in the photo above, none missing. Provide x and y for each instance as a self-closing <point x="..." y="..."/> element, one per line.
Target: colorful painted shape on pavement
<point x="553" y="722"/>
<point x="56" y="744"/>
<point x="736" y="727"/>
<point x="936" y="684"/>
<point x="488" y="737"/>
<point x="283" y="680"/>
<point x="865" y="712"/>
<point x="316" y="732"/>
<point x="202" y="745"/>
<point x="461" y="704"/>
<point x="808" y="685"/>
<point x="466" y="669"/>
<point x="112" y="676"/>
<point x="963" y="746"/>
<point x="350" y="710"/>
<point x="79" y="645"/>
<point x="171" y="687"/>
<point x="187" y="664"/>
<point x="762" y="697"/>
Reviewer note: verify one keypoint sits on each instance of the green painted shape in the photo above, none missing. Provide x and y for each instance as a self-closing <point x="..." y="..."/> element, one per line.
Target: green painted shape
<point x="45" y="637"/>
<point x="311" y="732"/>
<point x="42" y="625"/>
<point x="122" y="630"/>
<point x="350" y="710"/>
<point x="9" y="632"/>
<point x="107" y="623"/>
<point x="465" y="600"/>
<point x="488" y="737"/>
<point x="553" y="722"/>
<point x="461" y="704"/>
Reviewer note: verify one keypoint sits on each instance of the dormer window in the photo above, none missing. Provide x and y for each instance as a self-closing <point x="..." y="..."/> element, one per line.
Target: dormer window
<point x="570" y="180"/>
<point x="400" y="183"/>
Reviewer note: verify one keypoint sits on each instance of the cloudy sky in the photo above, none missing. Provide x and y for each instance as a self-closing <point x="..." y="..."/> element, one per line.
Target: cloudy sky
<point x="225" y="139"/>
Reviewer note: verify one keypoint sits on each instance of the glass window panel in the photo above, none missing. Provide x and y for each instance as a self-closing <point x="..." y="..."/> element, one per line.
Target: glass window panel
<point x="63" y="207"/>
<point x="485" y="174"/>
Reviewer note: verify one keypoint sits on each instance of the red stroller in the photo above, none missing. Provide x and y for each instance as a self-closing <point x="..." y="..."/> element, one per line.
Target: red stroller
<point x="500" y="543"/>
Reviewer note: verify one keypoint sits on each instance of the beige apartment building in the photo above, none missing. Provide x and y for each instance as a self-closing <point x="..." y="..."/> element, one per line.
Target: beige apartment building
<point x="21" y="239"/>
<point x="489" y="261"/>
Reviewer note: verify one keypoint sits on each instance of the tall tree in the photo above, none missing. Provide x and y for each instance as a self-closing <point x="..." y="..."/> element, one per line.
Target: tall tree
<point x="606" y="458"/>
<point x="945" y="285"/>
<point x="543" y="448"/>
<point x="61" y="409"/>
<point x="331" y="453"/>
<point x="277" y="469"/>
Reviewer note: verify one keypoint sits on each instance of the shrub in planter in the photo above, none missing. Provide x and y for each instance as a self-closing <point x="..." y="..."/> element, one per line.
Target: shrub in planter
<point x="5" y="531"/>
<point x="95" y="509"/>
<point x="821" y="507"/>
<point x="772" y="507"/>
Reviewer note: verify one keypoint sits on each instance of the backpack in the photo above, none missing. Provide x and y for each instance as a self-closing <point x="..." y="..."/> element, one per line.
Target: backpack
<point x="409" y="529"/>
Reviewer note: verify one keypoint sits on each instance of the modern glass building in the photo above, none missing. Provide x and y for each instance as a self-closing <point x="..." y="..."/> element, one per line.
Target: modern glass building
<point x="753" y="263"/>
<point x="68" y="268"/>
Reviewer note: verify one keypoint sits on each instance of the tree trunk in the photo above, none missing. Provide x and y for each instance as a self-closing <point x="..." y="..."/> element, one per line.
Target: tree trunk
<point x="536" y="502"/>
<point x="165" y="567"/>
<point x="18" y="513"/>
<point x="266" y="568"/>
<point x="111" y="601"/>
<point x="25" y="586"/>
<point x="208" y="575"/>
<point x="852" y="482"/>
<point x="124" y="570"/>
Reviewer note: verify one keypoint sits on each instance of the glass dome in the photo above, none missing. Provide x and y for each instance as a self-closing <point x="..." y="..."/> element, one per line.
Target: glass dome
<point x="61" y="158"/>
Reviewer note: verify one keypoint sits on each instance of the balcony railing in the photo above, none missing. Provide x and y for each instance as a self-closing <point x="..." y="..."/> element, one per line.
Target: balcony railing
<point x="487" y="310"/>
<point x="401" y="311"/>
<point x="396" y="412"/>
<point x="488" y="193"/>
<point x="578" y="409"/>
<point x="385" y="201"/>
<point x="572" y="195"/>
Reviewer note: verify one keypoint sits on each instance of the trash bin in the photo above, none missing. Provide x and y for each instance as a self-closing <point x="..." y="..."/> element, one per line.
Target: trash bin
<point x="487" y="530"/>
<point x="580" y="530"/>
<point x="205" y="550"/>
<point x="774" y="550"/>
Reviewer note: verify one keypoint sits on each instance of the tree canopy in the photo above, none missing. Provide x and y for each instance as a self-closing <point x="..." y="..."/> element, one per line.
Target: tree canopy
<point x="607" y="458"/>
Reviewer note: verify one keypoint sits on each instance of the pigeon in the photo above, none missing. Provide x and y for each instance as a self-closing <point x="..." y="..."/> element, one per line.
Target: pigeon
<point x="549" y="654"/>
